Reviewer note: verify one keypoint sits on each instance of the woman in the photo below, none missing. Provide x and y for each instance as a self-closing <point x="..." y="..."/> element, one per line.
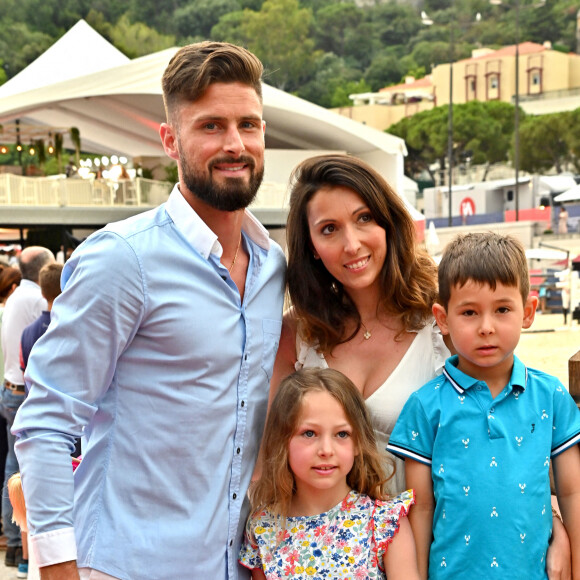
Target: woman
<point x="361" y="290"/>
<point x="361" y="293"/>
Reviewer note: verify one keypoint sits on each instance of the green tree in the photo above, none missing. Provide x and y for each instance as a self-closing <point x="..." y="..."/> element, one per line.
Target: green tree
<point x="384" y="70"/>
<point x="229" y="28"/>
<point x="331" y="73"/>
<point x="332" y="25"/>
<point x="483" y="131"/>
<point x="543" y="143"/>
<point x="572" y="135"/>
<point x="425" y="135"/>
<point x="279" y="34"/>
<point x="340" y="97"/>
<point x="137" y="39"/>
<point x="31" y="44"/>
<point x="198" y="18"/>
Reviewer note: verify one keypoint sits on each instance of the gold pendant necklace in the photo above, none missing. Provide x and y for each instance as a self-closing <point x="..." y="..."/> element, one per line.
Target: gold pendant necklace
<point x="236" y="255"/>
<point x="367" y="333"/>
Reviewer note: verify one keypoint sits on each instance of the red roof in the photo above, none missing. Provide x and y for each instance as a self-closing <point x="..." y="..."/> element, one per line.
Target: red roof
<point x="524" y="48"/>
<point x="420" y="83"/>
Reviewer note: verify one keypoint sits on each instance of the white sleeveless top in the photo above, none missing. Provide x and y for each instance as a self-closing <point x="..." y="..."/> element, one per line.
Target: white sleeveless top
<point x="423" y="360"/>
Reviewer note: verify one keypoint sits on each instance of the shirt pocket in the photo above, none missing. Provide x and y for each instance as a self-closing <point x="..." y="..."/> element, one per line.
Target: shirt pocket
<point x="271" y="330"/>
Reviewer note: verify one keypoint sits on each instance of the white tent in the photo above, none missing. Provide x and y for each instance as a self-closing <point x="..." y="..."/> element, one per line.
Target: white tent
<point x="573" y="194"/>
<point x="117" y="106"/>
<point x="118" y="109"/>
<point x="81" y="50"/>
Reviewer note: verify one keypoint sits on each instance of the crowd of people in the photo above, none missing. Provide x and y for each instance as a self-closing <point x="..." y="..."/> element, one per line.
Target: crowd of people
<point x="225" y="438"/>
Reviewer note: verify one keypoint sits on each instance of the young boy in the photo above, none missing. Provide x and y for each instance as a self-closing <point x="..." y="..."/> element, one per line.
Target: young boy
<point x="478" y="439"/>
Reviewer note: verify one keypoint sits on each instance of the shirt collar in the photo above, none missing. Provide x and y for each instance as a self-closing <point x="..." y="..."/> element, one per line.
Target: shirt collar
<point x="200" y="236"/>
<point x="461" y="382"/>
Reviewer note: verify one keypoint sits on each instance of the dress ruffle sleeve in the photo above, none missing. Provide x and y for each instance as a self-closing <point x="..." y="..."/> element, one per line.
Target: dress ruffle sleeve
<point x="440" y="351"/>
<point x="307" y="356"/>
<point x="386" y="517"/>
<point x="250" y="556"/>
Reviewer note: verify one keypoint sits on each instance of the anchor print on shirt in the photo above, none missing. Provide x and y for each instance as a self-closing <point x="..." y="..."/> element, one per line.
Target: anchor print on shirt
<point x="467" y="538"/>
<point x="443" y="562"/>
<point x="519" y="440"/>
<point x="461" y="399"/>
<point x="414" y="435"/>
<point x="522" y="487"/>
<point x="494" y="513"/>
<point x="466" y="489"/>
<point x="522" y="537"/>
<point x="494" y="563"/>
<point x="544" y="414"/>
<point x="465" y="442"/>
<point x="493" y="462"/>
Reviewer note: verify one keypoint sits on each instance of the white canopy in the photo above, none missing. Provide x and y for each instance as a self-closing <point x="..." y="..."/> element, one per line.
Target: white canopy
<point x="573" y="194"/>
<point x="81" y="50"/>
<point x="118" y="108"/>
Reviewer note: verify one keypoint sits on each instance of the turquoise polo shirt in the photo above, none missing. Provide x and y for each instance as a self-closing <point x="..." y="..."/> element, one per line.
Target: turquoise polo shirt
<point x="489" y="463"/>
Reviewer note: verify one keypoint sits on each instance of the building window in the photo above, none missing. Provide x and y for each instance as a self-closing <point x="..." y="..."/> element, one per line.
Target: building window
<point x="536" y="78"/>
<point x="493" y="82"/>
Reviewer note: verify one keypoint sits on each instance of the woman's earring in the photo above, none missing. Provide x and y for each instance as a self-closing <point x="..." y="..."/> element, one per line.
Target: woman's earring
<point x="316" y="256"/>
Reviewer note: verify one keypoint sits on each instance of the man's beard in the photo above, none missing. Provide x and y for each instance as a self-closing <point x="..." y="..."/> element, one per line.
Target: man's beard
<point x="233" y="195"/>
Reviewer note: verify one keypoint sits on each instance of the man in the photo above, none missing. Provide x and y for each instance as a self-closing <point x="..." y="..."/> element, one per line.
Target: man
<point x="160" y="351"/>
<point x="22" y="308"/>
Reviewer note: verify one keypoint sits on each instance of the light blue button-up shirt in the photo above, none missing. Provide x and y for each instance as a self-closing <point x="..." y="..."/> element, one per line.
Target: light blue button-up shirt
<point x="153" y="358"/>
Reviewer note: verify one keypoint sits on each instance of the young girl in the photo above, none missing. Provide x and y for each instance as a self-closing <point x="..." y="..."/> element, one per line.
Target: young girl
<point x="320" y="510"/>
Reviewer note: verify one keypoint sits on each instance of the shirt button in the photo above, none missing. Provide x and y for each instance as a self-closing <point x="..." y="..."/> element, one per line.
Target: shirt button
<point x="243" y="403"/>
<point x="245" y="357"/>
<point x="231" y="542"/>
<point x="235" y="495"/>
<point x="492" y="410"/>
<point x="478" y="387"/>
<point x="238" y="450"/>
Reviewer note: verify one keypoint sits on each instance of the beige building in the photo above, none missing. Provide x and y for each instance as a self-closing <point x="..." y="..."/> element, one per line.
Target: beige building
<point x="391" y="104"/>
<point x="549" y="82"/>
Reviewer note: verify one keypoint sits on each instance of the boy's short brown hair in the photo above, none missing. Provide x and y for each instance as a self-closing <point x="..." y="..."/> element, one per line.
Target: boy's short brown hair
<point x="195" y="67"/>
<point x="49" y="280"/>
<point x="487" y="258"/>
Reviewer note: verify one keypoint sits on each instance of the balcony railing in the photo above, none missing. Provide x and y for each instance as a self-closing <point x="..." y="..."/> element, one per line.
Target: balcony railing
<point x="62" y="192"/>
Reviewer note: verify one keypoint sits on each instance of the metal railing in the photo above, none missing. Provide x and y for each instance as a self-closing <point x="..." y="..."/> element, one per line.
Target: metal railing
<point x="62" y="192"/>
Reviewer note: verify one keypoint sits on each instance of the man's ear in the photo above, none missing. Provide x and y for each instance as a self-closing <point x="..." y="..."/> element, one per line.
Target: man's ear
<point x="168" y="140"/>
<point x="530" y="311"/>
<point x="440" y="315"/>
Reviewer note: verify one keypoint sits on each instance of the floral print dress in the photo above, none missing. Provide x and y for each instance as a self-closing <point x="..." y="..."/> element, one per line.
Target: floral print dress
<point x="348" y="541"/>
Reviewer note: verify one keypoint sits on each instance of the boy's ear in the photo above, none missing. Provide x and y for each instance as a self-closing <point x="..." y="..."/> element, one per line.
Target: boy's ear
<point x="530" y="311"/>
<point x="440" y="315"/>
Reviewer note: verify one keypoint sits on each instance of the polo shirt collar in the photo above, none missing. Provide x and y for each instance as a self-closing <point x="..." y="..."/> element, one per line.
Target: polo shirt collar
<point x="200" y="236"/>
<point x="461" y="382"/>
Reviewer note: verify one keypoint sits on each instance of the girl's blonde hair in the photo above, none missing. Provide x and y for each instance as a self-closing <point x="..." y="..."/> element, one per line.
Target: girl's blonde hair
<point x="276" y="486"/>
<point x="16" y="496"/>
